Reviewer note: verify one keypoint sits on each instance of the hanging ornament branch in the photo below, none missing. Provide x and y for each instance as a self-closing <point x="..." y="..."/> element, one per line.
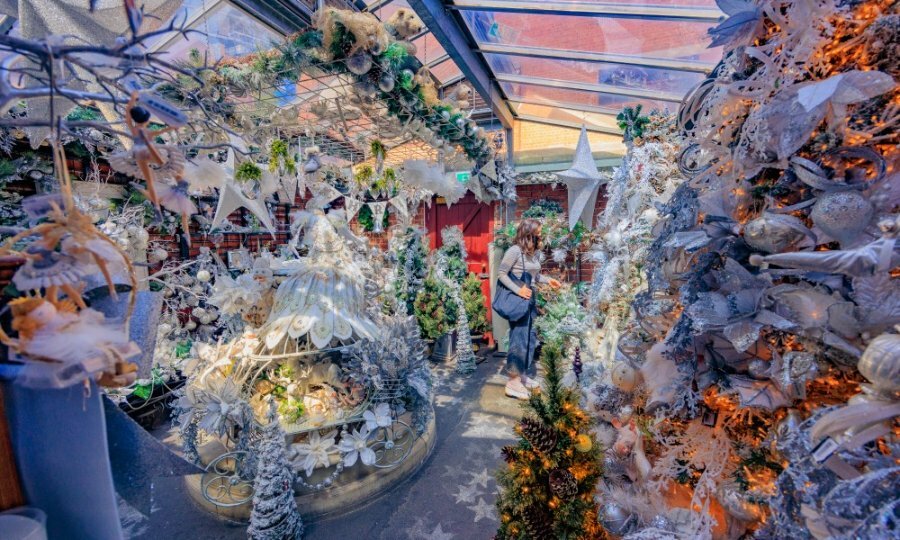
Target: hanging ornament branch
<point x="383" y="67"/>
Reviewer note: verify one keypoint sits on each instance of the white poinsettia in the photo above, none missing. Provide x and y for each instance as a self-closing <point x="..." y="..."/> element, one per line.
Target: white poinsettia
<point x="314" y="452"/>
<point x="380" y="417"/>
<point x="221" y="404"/>
<point x="354" y="445"/>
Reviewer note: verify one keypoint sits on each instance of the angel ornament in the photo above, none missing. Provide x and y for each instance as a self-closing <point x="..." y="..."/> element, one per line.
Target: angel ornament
<point x="324" y="297"/>
<point x="146" y="159"/>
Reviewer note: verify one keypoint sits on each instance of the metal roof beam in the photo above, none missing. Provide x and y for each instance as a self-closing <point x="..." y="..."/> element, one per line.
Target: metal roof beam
<point x="569" y="124"/>
<point x="605" y="58"/>
<point x="377" y="4"/>
<point x="450" y="32"/>
<point x="439" y="60"/>
<point x="453" y="80"/>
<point x="591" y="87"/>
<point x="594" y="9"/>
<point x="565" y="105"/>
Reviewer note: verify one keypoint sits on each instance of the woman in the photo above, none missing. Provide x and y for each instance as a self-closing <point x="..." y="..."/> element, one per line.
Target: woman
<point x="523" y="262"/>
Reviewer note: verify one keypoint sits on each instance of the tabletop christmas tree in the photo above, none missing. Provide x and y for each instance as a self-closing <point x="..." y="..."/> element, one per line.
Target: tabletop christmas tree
<point x="473" y="300"/>
<point x="547" y="487"/>
<point x="274" y="515"/>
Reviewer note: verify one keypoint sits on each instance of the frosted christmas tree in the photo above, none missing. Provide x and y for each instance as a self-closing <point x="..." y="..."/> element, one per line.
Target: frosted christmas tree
<point x="275" y="515"/>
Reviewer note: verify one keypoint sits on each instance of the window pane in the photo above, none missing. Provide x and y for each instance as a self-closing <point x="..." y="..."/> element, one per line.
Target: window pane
<point x="228" y="32"/>
<point x="683" y="40"/>
<point x="535" y="143"/>
<point x="619" y="75"/>
<point x="562" y="96"/>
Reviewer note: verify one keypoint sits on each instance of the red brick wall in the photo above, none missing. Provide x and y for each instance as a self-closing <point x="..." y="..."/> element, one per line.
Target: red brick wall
<point x="529" y="193"/>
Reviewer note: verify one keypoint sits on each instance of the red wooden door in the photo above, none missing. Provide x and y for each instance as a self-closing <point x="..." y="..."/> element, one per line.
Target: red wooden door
<point x="476" y="219"/>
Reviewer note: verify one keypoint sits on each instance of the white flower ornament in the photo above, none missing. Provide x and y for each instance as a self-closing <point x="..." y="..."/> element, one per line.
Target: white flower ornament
<point x="381" y="417"/>
<point x="354" y="445"/>
<point x="314" y="453"/>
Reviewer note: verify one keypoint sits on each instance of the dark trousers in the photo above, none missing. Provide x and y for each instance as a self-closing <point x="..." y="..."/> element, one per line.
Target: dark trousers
<point x="522" y="344"/>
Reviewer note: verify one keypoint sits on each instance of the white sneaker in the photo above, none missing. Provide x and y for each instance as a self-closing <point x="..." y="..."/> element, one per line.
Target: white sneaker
<point x="532" y="384"/>
<point x="516" y="390"/>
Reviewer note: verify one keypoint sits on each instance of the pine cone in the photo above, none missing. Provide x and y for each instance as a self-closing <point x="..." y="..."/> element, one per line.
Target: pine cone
<point x="537" y="524"/>
<point x="563" y="484"/>
<point x="539" y="435"/>
<point x="508" y="453"/>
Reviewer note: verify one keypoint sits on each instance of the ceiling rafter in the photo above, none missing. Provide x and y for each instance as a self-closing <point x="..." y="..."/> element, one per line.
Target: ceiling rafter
<point x="568" y="124"/>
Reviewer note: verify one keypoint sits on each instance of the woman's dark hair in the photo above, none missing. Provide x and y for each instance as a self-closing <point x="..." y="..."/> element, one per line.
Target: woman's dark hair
<point x="527" y="234"/>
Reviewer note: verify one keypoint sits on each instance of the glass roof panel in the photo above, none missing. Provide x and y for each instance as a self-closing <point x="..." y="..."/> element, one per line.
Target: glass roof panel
<point x="676" y="3"/>
<point x="619" y="75"/>
<point x="562" y="97"/>
<point x="685" y="40"/>
<point x="229" y="32"/>
<point x="446" y="71"/>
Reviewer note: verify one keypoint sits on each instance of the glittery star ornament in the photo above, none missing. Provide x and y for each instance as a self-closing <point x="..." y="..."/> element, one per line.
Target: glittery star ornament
<point x="583" y="180"/>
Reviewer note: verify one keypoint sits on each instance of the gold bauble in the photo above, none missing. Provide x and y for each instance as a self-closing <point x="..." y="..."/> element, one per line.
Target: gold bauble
<point x="623" y="377"/>
<point x="583" y="443"/>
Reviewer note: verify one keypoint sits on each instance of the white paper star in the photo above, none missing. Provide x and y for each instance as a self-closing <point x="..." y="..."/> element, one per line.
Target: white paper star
<point x="481" y="478"/>
<point x="583" y="180"/>
<point x="231" y="198"/>
<point x="483" y="510"/>
<point x="467" y="494"/>
<point x="438" y="534"/>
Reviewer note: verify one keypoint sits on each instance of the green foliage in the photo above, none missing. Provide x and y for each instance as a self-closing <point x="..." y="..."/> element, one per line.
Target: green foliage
<point x="473" y="300"/>
<point x="378" y="149"/>
<point x="525" y="493"/>
<point x="457" y="269"/>
<point x="367" y="219"/>
<point x="291" y="409"/>
<point x="280" y="158"/>
<point x="564" y="319"/>
<point x="434" y="308"/>
<point x="248" y="171"/>
<point x="412" y="267"/>
<point x="542" y="208"/>
<point x="84" y="114"/>
<point x="7" y="169"/>
<point x="364" y="176"/>
<point x="632" y="123"/>
<point x="395" y="54"/>
<point x="505" y="236"/>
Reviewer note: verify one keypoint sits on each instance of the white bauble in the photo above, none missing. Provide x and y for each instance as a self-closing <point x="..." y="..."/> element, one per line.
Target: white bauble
<point x="165" y="328"/>
<point x="158" y="255"/>
<point x="203" y="276"/>
<point x="190" y="325"/>
<point x="623" y="377"/>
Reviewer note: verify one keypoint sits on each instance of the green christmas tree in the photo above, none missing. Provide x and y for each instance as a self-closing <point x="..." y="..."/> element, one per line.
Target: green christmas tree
<point x="435" y="310"/>
<point x="412" y="267"/>
<point x="473" y="300"/>
<point x="274" y="515"/>
<point x="547" y="487"/>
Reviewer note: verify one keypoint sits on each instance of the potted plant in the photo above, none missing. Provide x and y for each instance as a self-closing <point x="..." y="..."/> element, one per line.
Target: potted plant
<point x="473" y="300"/>
<point x="436" y="314"/>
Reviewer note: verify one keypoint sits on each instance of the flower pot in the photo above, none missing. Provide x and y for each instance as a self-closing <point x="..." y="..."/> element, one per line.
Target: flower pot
<point x="444" y="348"/>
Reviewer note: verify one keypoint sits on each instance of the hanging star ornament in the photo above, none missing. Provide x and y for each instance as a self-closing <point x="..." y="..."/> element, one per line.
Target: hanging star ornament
<point x="231" y="198"/>
<point x="583" y="180"/>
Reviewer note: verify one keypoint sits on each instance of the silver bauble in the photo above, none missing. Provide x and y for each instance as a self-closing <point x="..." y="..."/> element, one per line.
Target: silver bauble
<point x="359" y="63"/>
<point x="880" y="363"/>
<point x="386" y="82"/>
<point x="615" y="518"/>
<point x="662" y="523"/>
<point x="842" y="215"/>
<point x="758" y="368"/>
<point x="774" y="233"/>
<point x="736" y="502"/>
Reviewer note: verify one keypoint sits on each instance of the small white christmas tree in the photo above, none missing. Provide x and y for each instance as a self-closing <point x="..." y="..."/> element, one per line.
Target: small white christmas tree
<point x="465" y="356"/>
<point x="275" y="515"/>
